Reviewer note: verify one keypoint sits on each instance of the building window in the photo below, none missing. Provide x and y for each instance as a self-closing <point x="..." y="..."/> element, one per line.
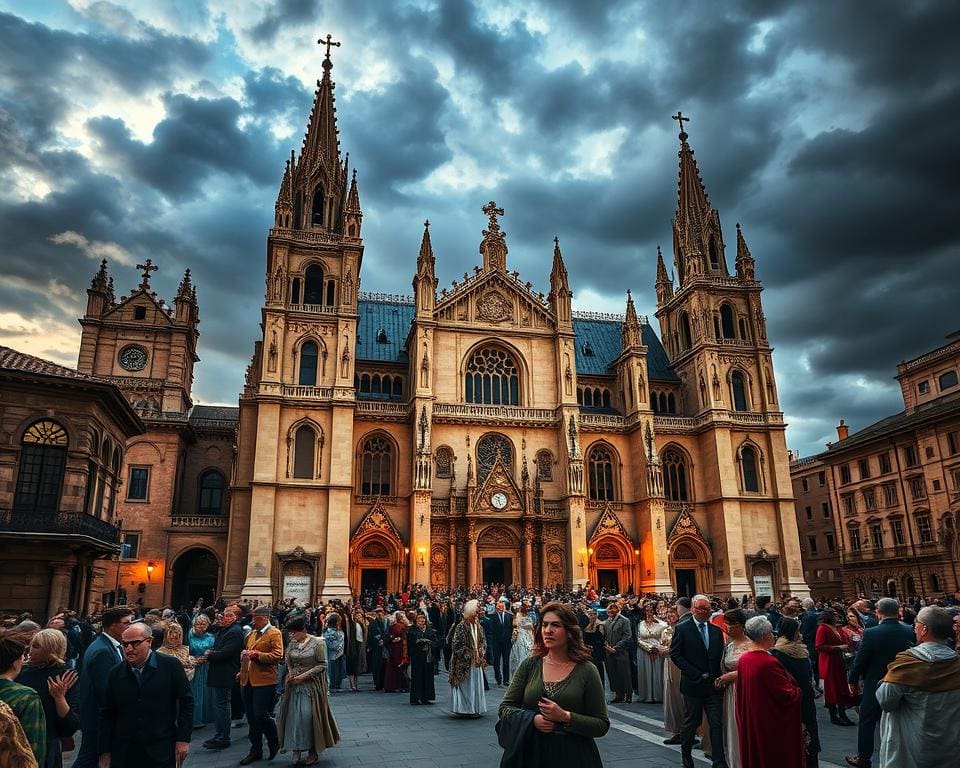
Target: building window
<point x="848" y="506"/>
<point x="304" y="453"/>
<point x="490" y="448"/>
<point x="884" y="460"/>
<point x="855" y="544"/>
<point x="918" y="489"/>
<point x="129" y="546"/>
<point x="805" y="484"/>
<point x="726" y="321"/>
<point x="212" y="484"/>
<point x="685" y="336"/>
<point x="376" y="467"/>
<point x="750" y="469"/>
<point x="890" y="495"/>
<point x="935" y="583"/>
<point x="825" y="507"/>
<point x="869" y="498"/>
<point x="138" y="485"/>
<point x="956" y="479"/>
<point x="492" y="378"/>
<point x="601" y="475"/>
<point x="316" y="214"/>
<point x="909" y="455"/>
<point x="831" y="544"/>
<point x="864" y="466"/>
<point x="953" y="442"/>
<point x="308" y="364"/>
<point x="844" y="474"/>
<point x="812" y="544"/>
<point x="738" y="383"/>
<point x="896" y="530"/>
<point x="809" y="511"/>
<point x="947" y="380"/>
<point x="821" y="478"/>
<point x="43" y="462"/>
<point x="923" y="388"/>
<point x="313" y="285"/>
<point x="443" y="459"/>
<point x="925" y="529"/>
<point x="545" y="466"/>
<point x="876" y="536"/>
<point x="674" y="475"/>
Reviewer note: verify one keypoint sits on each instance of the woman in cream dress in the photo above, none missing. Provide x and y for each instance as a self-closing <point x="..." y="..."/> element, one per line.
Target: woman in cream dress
<point x="739" y="642"/>
<point x="672" y="699"/>
<point x="522" y="634"/>
<point x="649" y="661"/>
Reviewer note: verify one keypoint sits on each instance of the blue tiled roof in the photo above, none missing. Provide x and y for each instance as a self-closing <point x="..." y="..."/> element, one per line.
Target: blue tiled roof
<point x="602" y="337"/>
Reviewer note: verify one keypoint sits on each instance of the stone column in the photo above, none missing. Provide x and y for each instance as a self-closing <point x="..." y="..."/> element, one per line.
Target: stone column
<point x="543" y="558"/>
<point x="471" y="555"/>
<point x="528" y="554"/>
<point x="59" y="595"/>
<point x="452" y="562"/>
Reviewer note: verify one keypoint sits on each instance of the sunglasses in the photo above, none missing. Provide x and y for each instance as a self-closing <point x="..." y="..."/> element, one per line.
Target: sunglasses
<point x="132" y="643"/>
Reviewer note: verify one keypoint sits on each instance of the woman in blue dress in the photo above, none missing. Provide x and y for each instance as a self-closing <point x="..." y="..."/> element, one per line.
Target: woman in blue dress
<point x="200" y="641"/>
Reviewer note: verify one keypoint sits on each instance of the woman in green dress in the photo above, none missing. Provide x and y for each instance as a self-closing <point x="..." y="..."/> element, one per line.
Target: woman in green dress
<point x="559" y="685"/>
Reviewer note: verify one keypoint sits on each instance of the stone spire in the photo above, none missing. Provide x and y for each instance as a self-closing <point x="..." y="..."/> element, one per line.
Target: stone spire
<point x="185" y="302"/>
<point x="746" y="267"/>
<point x="99" y="294"/>
<point x="631" y="334"/>
<point x="664" y="284"/>
<point x="560" y="294"/>
<point x="494" y="245"/>
<point x="321" y="145"/>
<point x="352" y="215"/>
<point x="283" y="210"/>
<point x="425" y="281"/>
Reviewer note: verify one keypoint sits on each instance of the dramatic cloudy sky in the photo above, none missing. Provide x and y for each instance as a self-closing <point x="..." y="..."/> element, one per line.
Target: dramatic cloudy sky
<point x="829" y="130"/>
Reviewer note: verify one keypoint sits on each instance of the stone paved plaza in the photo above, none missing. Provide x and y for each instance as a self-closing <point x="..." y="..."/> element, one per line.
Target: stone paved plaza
<point x="380" y="729"/>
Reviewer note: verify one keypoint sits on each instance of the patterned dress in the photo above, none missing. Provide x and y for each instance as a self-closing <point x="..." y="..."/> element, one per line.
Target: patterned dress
<point x="523" y="645"/>
<point x="26" y="705"/>
<point x="650" y="671"/>
<point x="202" y="701"/>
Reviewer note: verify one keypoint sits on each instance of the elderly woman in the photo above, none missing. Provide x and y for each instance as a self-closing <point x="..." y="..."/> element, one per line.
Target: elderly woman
<point x="306" y="723"/>
<point x="467" y="659"/>
<point x="831" y="647"/>
<point x="398" y="659"/>
<point x="735" y="620"/>
<point x="199" y="641"/>
<point x="767" y="704"/>
<point x="47" y="673"/>
<point x="173" y="646"/>
<point x="423" y="646"/>
<point x="649" y="661"/>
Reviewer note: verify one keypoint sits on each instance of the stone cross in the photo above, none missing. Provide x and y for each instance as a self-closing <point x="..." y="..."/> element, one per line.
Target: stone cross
<point x="680" y="119"/>
<point x="147" y="269"/>
<point x="493" y="211"/>
<point x="328" y="43"/>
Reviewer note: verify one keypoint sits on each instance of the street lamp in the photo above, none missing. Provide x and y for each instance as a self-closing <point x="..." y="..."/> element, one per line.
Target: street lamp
<point x="421" y="552"/>
<point x="150" y="567"/>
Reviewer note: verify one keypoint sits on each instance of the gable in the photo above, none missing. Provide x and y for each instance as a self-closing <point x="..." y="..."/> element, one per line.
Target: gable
<point x="378" y="521"/>
<point x="609" y="523"/>
<point x="157" y="313"/>
<point x="500" y="480"/>
<point x="495" y="299"/>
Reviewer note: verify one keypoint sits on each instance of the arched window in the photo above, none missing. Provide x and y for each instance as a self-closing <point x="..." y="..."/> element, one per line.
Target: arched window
<point x="308" y="364"/>
<point x="398" y="387"/>
<point x="545" y="466"/>
<point x="376" y="384"/>
<point x="662" y="404"/>
<point x="319" y="202"/>
<point x="331" y="292"/>
<point x="211" y="493"/>
<point x="365" y="382"/>
<point x="579" y="396"/>
<point x="743" y="329"/>
<point x="738" y="384"/>
<point x="727" y="326"/>
<point x="443" y="458"/>
<point x="671" y="403"/>
<point x="750" y="469"/>
<point x="492" y="378"/>
<point x="304" y="453"/>
<point x="606" y="398"/>
<point x="313" y="285"/>
<point x="601" y="481"/>
<point x="295" y="291"/>
<point x="43" y="460"/>
<point x="654" y="406"/>
<point x="675" y="475"/>
<point x="685" y="336"/>
<point x="714" y="253"/>
<point x="376" y="467"/>
<point x="298" y="211"/>
<point x="490" y="448"/>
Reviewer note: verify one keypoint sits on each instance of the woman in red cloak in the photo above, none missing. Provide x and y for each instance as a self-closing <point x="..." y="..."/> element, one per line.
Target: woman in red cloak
<point x="394" y="677"/>
<point x="831" y="647"/>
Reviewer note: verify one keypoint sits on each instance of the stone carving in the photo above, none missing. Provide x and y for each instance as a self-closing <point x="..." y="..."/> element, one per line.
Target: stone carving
<point x="685" y="526"/>
<point x="494" y="307"/>
<point x="609" y="523"/>
<point x="315" y="328"/>
<point x="375" y="551"/>
<point x="497" y="536"/>
<point x="378" y="520"/>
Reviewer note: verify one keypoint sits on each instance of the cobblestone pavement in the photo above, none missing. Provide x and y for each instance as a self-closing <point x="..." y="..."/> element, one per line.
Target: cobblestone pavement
<point x="379" y="729"/>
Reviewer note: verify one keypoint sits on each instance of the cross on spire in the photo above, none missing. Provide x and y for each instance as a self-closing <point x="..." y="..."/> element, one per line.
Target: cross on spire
<point x="493" y="211"/>
<point x="679" y="117"/>
<point x="329" y="44"/>
<point x="147" y="269"/>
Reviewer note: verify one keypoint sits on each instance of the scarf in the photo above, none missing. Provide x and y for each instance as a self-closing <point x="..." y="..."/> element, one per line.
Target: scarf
<point x="795" y="648"/>
<point x="932" y="676"/>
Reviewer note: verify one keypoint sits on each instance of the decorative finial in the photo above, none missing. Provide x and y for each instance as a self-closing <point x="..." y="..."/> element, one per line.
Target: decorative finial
<point x="556" y="240"/>
<point x="426" y="224"/>
<point x="147" y="269"/>
<point x="492" y="212"/>
<point x="681" y="119"/>
<point x="327" y="64"/>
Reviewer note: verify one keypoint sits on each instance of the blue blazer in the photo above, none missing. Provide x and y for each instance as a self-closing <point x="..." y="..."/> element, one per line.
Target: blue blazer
<point x="879" y="646"/>
<point x="99" y="658"/>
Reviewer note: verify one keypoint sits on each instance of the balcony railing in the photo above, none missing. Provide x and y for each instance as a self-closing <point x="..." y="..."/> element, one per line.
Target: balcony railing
<point x="305" y="235"/>
<point x="921" y="549"/>
<point x="474" y="412"/>
<point x="381" y="408"/>
<point x="199" y="521"/>
<point x="321" y="393"/>
<point x="601" y="420"/>
<point x="59" y="524"/>
<point x="317" y="309"/>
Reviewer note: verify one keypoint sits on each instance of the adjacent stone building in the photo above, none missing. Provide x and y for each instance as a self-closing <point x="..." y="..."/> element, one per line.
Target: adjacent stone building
<point x="488" y="433"/>
<point x="819" y="542"/>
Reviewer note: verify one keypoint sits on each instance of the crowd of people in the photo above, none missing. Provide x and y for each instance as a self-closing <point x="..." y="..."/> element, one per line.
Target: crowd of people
<point x="737" y="679"/>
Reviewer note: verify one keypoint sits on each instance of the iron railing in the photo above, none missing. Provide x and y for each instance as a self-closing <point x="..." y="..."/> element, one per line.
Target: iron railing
<point x="59" y="523"/>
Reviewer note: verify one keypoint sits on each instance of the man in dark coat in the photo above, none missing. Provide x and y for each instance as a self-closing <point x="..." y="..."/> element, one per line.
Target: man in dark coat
<point x="100" y="657"/>
<point x="377" y="642"/>
<point x="147" y="714"/>
<point x="697" y="649"/>
<point x="500" y="636"/>
<point x="223" y="665"/>
<point x="809" y="620"/>
<point x="879" y="647"/>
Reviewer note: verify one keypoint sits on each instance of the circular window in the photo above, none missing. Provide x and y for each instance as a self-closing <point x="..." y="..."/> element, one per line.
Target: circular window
<point x="133" y="357"/>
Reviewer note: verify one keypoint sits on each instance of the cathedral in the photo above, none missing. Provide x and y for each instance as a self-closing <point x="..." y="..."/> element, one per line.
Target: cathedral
<point x="489" y="433"/>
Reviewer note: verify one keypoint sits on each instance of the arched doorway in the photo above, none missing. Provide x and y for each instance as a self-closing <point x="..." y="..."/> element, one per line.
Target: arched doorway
<point x="195" y="576"/>
<point x="498" y="555"/>
<point x="690" y="566"/>
<point x="891" y="588"/>
<point x="376" y="562"/>
<point x="611" y="564"/>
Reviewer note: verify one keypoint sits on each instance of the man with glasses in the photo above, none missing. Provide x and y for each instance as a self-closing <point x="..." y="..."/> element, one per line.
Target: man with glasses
<point x="100" y="657"/>
<point x="147" y="715"/>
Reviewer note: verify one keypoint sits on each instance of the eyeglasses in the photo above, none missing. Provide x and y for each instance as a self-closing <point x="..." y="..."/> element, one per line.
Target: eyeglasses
<point x="132" y="643"/>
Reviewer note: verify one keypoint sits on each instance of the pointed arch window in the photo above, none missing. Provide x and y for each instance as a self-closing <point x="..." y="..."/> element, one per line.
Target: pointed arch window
<point x="492" y="378"/>
<point x="738" y="386"/>
<point x="675" y="474"/>
<point x="305" y="453"/>
<point x="750" y="469"/>
<point x="686" y="340"/>
<point x="443" y="458"/>
<point x="489" y="449"/>
<point x="601" y="481"/>
<point x="331" y="292"/>
<point x="544" y="466"/>
<point x="376" y="467"/>
<point x="308" y="364"/>
<point x="212" y="484"/>
<point x="43" y="461"/>
<point x="319" y="203"/>
<point x="313" y="285"/>
<point x="714" y="253"/>
<point x="727" y="326"/>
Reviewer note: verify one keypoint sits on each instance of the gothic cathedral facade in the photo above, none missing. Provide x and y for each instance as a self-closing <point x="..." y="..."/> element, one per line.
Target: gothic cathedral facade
<point x="488" y="433"/>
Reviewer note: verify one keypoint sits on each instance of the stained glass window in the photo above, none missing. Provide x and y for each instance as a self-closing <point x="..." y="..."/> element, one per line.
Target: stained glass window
<point x="489" y="449"/>
<point x="492" y="378"/>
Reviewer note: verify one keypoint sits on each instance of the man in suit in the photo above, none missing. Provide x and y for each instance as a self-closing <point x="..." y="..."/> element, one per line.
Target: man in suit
<point x="147" y="714"/>
<point x="377" y="640"/>
<point x="809" y="620"/>
<point x="100" y="657"/>
<point x="263" y="650"/>
<point x="500" y="637"/>
<point x="697" y="649"/>
<point x="865" y="611"/>
<point x="223" y="665"/>
<point x="879" y="647"/>
<point x="617" y="635"/>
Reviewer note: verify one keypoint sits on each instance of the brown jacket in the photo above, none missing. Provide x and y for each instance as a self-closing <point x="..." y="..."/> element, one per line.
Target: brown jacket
<point x="262" y="670"/>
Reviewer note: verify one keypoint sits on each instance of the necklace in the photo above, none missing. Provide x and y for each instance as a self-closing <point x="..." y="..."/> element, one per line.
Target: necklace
<point x="550" y="661"/>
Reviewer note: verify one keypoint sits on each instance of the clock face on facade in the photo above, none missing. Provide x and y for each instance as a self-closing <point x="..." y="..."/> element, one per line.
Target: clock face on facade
<point x="499" y="500"/>
<point x="133" y="358"/>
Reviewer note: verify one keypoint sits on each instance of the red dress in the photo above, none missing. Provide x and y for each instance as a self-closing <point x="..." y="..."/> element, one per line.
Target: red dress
<point x="394" y="678"/>
<point x="833" y="671"/>
<point x="768" y="713"/>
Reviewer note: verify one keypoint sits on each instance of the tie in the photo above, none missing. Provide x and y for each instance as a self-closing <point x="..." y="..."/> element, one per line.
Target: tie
<point x="706" y="637"/>
<point x="137" y="674"/>
<point x="501" y="618"/>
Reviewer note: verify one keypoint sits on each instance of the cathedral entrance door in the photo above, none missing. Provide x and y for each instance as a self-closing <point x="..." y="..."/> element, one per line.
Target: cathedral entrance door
<point x="607" y="579"/>
<point x="686" y="582"/>
<point x="497" y="570"/>
<point x="194" y="577"/>
<point x="372" y="579"/>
